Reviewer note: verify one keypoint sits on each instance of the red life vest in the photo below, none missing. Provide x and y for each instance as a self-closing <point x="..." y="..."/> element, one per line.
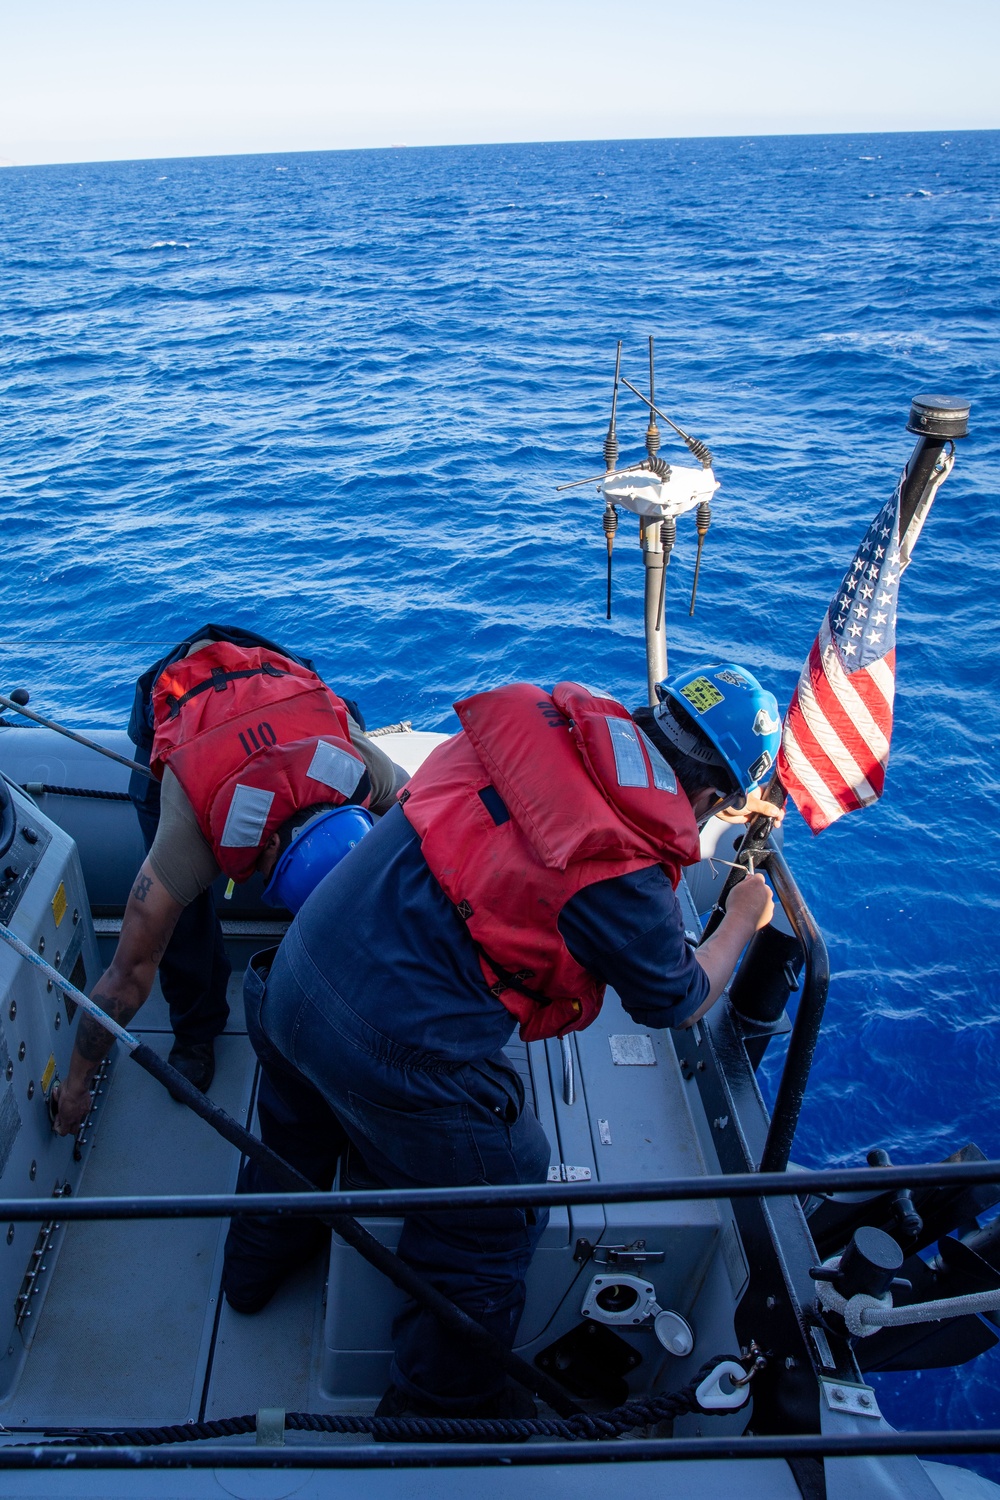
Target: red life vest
<point x="252" y="737"/>
<point x="543" y="795"/>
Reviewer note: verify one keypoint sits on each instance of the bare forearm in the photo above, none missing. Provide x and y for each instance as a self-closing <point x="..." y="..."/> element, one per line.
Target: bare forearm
<point x="150" y="917"/>
<point x="750" y="908"/>
<point x="718" y="956"/>
<point x="121" y="999"/>
<point x="124" y="986"/>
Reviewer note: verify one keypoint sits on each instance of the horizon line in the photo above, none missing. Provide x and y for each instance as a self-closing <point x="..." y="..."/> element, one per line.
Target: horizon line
<point x="749" y="135"/>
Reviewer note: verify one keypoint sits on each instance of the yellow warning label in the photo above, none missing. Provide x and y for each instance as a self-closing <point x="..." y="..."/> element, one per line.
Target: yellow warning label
<point x="702" y="694"/>
<point x="49" y="1074"/>
<point x="59" y="903"/>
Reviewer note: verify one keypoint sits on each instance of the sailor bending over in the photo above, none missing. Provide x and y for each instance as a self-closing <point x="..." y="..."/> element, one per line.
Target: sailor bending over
<point x="248" y="747"/>
<point x="531" y="862"/>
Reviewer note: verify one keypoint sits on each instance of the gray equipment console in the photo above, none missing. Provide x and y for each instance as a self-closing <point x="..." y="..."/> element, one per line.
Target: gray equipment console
<point x="43" y="901"/>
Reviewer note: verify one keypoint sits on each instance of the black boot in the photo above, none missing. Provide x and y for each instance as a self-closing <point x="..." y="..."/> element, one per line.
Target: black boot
<point x="196" y="1060"/>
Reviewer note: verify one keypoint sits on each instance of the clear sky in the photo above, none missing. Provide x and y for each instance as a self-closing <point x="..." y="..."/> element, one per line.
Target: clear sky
<point x="84" y="80"/>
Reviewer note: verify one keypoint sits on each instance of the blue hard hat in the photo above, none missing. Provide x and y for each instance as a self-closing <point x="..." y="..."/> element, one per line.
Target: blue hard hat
<point x="730" y="709"/>
<point x="313" y="852"/>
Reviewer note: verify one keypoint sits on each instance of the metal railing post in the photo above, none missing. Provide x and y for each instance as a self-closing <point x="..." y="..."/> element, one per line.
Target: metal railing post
<point x="808" y="1017"/>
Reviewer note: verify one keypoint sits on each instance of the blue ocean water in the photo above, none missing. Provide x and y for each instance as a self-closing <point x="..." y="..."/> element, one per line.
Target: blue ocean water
<point x="330" y="395"/>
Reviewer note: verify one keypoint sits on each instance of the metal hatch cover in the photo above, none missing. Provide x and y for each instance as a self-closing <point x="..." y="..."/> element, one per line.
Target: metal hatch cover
<point x="632" y="1049"/>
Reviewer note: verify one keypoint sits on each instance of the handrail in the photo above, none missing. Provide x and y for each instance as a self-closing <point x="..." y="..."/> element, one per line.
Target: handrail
<point x="383" y="1201"/>
<point x="227" y="1455"/>
<point x="808" y="1016"/>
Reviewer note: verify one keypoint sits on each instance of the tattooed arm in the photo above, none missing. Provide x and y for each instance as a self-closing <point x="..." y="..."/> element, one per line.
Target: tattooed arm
<point x="150" y="918"/>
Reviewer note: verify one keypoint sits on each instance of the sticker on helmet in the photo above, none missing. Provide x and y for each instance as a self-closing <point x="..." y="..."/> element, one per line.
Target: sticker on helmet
<point x="764" y="724"/>
<point x="735" y="679"/>
<point x="761" y="766"/>
<point x="702" y="695"/>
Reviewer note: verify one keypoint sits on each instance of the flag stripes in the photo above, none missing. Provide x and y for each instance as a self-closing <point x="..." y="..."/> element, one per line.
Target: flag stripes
<point x="835" y="742"/>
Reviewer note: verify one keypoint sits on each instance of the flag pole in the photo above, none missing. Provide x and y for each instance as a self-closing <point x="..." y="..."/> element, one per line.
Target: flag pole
<point x="937" y="421"/>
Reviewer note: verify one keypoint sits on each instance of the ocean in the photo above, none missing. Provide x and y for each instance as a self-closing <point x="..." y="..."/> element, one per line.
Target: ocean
<point x="331" y="396"/>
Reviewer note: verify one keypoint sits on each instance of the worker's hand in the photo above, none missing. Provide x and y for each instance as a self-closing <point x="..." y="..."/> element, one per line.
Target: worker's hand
<point x="751" y="903"/>
<point x="754" y="804"/>
<point x="74" y="1107"/>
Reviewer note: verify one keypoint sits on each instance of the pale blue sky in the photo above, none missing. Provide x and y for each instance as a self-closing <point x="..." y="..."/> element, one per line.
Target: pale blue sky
<point x="101" y="79"/>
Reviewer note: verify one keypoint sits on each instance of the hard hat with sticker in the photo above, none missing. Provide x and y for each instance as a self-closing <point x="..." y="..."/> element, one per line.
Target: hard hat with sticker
<point x="737" y="720"/>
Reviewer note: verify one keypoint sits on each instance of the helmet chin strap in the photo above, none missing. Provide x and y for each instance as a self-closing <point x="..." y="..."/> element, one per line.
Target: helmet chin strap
<point x="724" y="804"/>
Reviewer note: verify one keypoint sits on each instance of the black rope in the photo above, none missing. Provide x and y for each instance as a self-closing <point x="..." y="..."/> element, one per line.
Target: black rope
<point x="600" y="1425"/>
<point x="80" y="791"/>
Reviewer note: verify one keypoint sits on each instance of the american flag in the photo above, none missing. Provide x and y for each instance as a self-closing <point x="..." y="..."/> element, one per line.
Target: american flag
<point x="835" y="743"/>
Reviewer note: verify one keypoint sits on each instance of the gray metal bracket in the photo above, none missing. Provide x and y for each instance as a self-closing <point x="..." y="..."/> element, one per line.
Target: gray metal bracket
<point x="635" y="1254"/>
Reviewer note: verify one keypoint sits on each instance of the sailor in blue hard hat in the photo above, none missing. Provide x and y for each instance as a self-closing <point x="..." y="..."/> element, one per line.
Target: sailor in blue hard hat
<point x="720" y="731"/>
<point x="170" y="925"/>
<point x="529" y="863"/>
<point x="309" y="847"/>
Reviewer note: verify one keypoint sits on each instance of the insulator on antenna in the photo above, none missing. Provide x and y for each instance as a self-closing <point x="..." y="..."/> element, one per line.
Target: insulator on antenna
<point x="700" y="450"/>
<point x="658" y="466"/>
<point x="668" y="535"/>
<point x="703" y="517"/>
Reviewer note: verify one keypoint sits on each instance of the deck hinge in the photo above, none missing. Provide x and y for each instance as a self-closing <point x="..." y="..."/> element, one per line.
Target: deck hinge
<point x="565" y="1173"/>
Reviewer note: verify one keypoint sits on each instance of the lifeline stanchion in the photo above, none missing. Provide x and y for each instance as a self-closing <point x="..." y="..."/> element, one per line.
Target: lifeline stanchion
<point x="371" y="1249"/>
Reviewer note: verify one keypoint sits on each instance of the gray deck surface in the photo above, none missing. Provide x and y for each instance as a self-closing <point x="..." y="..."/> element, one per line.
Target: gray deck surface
<point x="131" y="1332"/>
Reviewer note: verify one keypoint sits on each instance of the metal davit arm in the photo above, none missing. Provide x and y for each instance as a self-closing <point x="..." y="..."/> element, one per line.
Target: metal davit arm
<point x="808" y="1017"/>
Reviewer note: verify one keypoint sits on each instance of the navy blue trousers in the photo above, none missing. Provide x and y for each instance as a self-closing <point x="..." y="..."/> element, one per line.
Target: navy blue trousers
<point x="329" y="1076"/>
<point x="194" y="970"/>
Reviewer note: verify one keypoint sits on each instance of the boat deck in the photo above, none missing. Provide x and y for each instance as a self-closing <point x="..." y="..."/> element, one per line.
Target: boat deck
<point x="133" y="1330"/>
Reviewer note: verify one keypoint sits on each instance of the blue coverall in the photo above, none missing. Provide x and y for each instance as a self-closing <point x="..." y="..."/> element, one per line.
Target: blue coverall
<point x="375" y="1022"/>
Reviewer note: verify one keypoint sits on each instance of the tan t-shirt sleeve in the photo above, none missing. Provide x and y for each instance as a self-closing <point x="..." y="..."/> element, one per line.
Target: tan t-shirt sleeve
<point x="386" y="777"/>
<point x="181" y="856"/>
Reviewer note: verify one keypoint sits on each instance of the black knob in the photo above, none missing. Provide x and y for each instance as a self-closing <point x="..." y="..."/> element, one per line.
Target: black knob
<point x="935" y="417"/>
<point x="869" y="1264"/>
<point x="29" y="835"/>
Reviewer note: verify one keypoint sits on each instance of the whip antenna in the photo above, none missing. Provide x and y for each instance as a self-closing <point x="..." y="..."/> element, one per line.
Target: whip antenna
<point x="610" y="527"/>
<point x="658" y="466"/>
<point x="668" y="536"/>
<point x="700" y="450"/>
<point x="610" y="521"/>
<point x="652" y="431"/>
<point x="703" y="520"/>
<point x="611" y="441"/>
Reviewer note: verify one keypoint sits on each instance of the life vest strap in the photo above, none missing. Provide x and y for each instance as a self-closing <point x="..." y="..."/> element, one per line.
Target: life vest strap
<point x="505" y="979"/>
<point x="219" y="680"/>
